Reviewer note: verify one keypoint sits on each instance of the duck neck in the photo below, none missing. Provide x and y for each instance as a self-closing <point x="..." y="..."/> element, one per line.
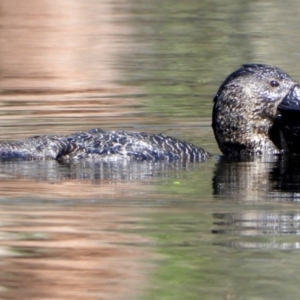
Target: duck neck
<point x="256" y="144"/>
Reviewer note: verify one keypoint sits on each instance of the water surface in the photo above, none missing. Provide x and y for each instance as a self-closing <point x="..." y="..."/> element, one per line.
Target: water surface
<point x="214" y="230"/>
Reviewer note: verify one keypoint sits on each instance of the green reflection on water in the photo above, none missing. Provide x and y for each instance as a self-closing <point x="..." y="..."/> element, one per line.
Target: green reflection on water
<point x="189" y="49"/>
<point x="194" y="267"/>
<point x="195" y="184"/>
<point x="188" y="268"/>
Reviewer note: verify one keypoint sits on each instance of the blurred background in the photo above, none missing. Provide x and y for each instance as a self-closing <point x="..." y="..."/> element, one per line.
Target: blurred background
<point x="128" y="64"/>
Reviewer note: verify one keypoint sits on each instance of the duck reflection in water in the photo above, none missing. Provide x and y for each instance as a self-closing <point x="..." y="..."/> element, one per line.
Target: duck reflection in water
<point x="260" y="185"/>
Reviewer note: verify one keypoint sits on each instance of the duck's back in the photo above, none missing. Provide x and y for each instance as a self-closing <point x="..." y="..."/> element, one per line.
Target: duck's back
<point x="102" y="145"/>
<point x="114" y="145"/>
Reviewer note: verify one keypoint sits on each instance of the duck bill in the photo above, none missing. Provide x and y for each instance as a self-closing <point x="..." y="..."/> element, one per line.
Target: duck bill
<point x="291" y="102"/>
<point x="285" y="132"/>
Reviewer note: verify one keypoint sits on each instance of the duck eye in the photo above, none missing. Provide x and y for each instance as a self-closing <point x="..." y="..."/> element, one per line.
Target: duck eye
<point x="274" y="83"/>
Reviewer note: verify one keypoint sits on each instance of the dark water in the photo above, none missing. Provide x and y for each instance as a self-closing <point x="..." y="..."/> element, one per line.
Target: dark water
<point x="216" y="230"/>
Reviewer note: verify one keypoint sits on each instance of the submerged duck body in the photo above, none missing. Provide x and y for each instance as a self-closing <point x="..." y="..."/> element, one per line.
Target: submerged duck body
<point x="250" y="118"/>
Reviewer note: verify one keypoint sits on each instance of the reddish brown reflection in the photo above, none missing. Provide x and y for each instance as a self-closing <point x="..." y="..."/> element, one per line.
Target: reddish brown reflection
<point x="58" y="74"/>
<point x="77" y="253"/>
<point x="72" y="189"/>
<point x="59" y="46"/>
<point x="59" y="66"/>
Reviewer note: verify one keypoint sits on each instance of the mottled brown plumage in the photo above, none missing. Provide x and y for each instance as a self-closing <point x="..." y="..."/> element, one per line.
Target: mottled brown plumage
<point x="245" y="110"/>
<point x="97" y="144"/>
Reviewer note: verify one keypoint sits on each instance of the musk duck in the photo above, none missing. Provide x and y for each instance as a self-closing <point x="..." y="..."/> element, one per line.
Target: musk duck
<point x="251" y="116"/>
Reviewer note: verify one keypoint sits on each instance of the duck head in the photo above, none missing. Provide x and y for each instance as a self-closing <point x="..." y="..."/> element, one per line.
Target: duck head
<point x="246" y="118"/>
